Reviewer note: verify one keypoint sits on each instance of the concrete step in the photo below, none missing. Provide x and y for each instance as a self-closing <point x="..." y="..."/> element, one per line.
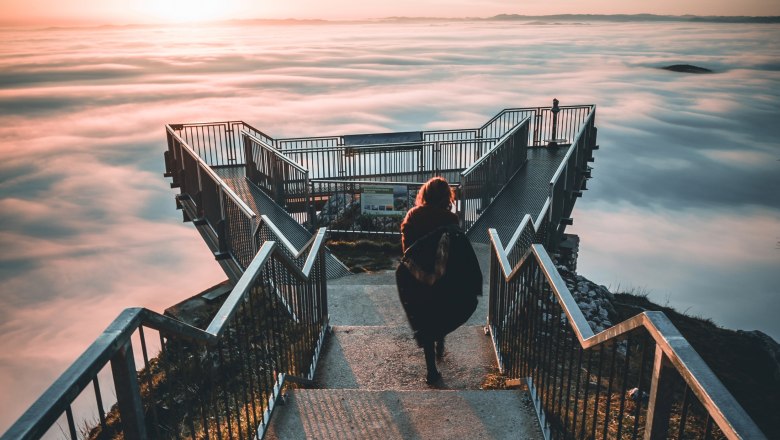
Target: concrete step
<point x="388" y="276"/>
<point x="387" y="358"/>
<point x="378" y="304"/>
<point x="365" y="415"/>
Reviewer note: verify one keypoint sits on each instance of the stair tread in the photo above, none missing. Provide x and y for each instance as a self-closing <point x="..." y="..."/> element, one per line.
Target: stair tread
<point x="391" y="414"/>
<point x="378" y="304"/>
<point x="387" y="358"/>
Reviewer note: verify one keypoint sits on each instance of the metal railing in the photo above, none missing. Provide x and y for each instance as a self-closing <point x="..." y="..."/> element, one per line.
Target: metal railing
<point x="285" y="181"/>
<point x="557" y="124"/>
<point x="481" y="182"/>
<point x="565" y="187"/>
<point x="569" y="179"/>
<point x="217" y="382"/>
<point x="218" y="143"/>
<point x="637" y="379"/>
<point x="231" y="223"/>
<point x="399" y="159"/>
<point x="337" y="202"/>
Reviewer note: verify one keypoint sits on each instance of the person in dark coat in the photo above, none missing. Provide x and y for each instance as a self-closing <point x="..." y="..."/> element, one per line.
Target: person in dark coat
<point x="439" y="277"/>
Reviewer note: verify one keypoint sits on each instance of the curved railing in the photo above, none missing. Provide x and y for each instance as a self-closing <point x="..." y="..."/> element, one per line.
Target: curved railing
<point x="639" y="378"/>
<point x="217" y="382"/>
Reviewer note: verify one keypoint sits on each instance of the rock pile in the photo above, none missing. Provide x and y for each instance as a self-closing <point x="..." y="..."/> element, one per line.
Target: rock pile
<point x="594" y="300"/>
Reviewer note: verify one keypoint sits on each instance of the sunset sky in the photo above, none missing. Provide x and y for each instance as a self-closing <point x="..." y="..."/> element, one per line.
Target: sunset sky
<point x="158" y="11"/>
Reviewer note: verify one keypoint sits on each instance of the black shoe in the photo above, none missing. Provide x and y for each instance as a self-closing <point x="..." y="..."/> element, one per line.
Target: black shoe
<point x="440" y="349"/>
<point x="432" y="377"/>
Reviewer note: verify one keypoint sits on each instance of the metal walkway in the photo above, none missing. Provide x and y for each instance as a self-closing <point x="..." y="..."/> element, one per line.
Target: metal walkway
<point x="261" y="204"/>
<point x="525" y="194"/>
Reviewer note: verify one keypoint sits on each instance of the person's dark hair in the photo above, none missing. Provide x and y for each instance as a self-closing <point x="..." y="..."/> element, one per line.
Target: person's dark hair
<point x="435" y="192"/>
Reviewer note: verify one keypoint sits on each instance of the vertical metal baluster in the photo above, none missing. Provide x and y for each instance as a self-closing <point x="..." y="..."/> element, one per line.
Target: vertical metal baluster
<point x="253" y="356"/>
<point x="272" y="359"/>
<point x="623" y="388"/>
<point x="708" y="427"/>
<point x="575" y="413"/>
<point x="511" y="324"/>
<point x="557" y="368"/>
<point x="99" y="402"/>
<point x="71" y="423"/>
<point x="596" y="402"/>
<point x="537" y="337"/>
<point x="202" y="152"/>
<point x="684" y="415"/>
<point x="143" y="347"/>
<point x="278" y="347"/>
<point x="248" y="352"/>
<point x="638" y="399"/>
<point x="225" y="388"/>
<point x="609" y="389"/>
<point x="237" y="361"/>
<point x="203" y="392"/>
<point x="585" y="396"/>
<point x="524" y="283"/>
<point x="548" y="362"/>
<point x="568" y="367"/>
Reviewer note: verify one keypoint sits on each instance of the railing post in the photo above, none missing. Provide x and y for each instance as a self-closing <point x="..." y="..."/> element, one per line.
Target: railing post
<point x="309" y="206"/>
<point x="659" y="406"/>
<point x="554" y="110"/>
<point x="128" y="393"/>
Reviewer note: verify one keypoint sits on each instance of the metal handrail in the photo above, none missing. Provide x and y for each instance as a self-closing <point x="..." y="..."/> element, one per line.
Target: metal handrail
<point x="398" y="145"/>
<point x="277" y="152"/>
<point x="724" y="409"/>
<point x="524" y="109"/>
<point x="56" y="399"/>
<point x="222" y="185"/>
<point x="572" y="147"/>
<point x="376" y="182"/>
<point x="503" y="139"/>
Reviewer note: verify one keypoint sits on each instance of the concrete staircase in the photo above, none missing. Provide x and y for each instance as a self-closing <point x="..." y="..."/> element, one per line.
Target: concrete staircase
<point x="371" y="377"/>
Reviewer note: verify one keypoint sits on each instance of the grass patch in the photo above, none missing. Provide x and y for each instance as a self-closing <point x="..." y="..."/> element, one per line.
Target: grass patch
<point x="365" y="255"/>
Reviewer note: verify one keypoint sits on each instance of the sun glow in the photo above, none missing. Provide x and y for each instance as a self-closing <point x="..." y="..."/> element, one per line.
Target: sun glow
<point x="185" y="11"/>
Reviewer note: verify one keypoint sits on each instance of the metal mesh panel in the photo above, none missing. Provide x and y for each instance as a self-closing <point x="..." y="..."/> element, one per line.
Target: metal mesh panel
<point x="482" y="182"/>
<point x="286" y="182"/>
<point x="238" y="229"/>
<point x="210" y="201"/>
<point x="189" y="177"/>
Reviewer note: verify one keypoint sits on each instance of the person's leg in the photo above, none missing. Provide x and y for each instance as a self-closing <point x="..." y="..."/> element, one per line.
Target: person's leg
<point x="433" y="375"/>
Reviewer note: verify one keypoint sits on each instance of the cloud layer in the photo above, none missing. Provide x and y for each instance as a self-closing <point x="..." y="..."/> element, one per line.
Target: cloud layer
<point x="684" y="201"/>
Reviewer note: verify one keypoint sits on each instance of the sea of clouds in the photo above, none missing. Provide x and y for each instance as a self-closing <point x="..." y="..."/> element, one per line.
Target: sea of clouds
<point x="684" y="203"/>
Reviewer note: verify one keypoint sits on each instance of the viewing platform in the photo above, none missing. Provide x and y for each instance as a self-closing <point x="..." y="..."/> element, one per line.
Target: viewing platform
<point x="293" y="345"/>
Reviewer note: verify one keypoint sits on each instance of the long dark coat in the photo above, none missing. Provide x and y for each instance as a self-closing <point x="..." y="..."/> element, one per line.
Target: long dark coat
<point x="438" y="281"/>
